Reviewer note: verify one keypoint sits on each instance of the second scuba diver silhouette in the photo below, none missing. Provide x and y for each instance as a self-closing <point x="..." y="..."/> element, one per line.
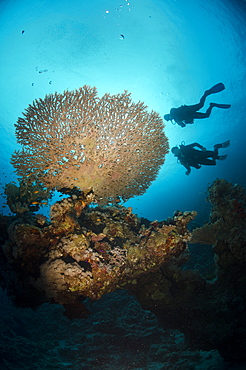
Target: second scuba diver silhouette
<point x="187" y="113"/>
<point x="189" y="157"/>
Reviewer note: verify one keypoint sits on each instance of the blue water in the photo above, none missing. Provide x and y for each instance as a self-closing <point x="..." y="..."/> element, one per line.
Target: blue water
<point x="172" y="50"/>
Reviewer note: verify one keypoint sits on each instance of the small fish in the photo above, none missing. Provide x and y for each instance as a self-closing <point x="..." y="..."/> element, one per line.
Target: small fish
<point x="43" y="70"/>
<point x="35" y="192"/>
<point x="22" y="31"/>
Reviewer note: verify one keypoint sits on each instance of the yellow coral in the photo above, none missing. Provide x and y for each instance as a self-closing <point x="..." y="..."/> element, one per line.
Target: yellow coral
<point x="110" y="145"/>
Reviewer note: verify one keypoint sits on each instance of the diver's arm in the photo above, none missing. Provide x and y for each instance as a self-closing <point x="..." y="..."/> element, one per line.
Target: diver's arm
<point x="180" y="123"/>
<point x="177" y="115"/>
<point x="188" y="169"/>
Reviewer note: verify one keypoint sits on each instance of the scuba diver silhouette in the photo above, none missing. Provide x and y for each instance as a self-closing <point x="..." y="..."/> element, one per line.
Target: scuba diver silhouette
<point x="189" y="157"/>
<point x="187" y="113"/>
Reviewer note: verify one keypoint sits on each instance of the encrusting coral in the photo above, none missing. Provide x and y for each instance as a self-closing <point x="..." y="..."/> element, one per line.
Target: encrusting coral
<point x="77" y="140"/>
<point x="226" y="229"/>
<point x="25" y="198"/>
<point x="103" y="248"/>
<point x="211" y="313"/>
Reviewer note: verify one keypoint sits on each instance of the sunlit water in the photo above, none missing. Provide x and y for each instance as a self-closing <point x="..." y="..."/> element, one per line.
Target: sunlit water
<point x="170" y="53"/>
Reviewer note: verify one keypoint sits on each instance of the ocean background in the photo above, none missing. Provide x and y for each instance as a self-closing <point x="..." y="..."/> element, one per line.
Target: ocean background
<point x="166" y="53"/>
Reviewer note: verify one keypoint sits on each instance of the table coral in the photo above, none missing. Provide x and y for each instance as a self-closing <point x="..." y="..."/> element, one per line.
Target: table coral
<point x="77" y="140"/>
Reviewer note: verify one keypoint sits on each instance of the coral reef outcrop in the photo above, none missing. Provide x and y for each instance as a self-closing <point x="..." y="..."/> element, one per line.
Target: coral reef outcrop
<point x="211" y="313"/>
<point x="25" y="198"/>
<point x="77" y="140"/>
<point x="226" y="229"/>
<point x="86" y="252"/>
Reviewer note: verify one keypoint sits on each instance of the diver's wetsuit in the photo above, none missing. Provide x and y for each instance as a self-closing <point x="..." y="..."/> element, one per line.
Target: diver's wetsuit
<point x="195" y="158"/>
<point x="189" y="157"/>
<point x="187" y="113"/>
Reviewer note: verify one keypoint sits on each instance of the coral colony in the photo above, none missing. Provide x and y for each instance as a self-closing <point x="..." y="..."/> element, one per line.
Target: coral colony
<point x="75" y="139"/>
<point x="99" y="152"/>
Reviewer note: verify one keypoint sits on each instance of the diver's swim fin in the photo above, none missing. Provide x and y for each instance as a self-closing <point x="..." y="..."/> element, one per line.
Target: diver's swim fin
<point x="222" y="157"/>
<point x="216" y="88"/>
<point x="225" y="144"/>
<point x="223" y="106"/>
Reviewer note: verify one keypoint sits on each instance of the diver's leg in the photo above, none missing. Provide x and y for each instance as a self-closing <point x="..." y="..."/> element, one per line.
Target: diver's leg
<point x="209" y="110"/>
<point x="206" y="114"/>
<point x="206" y="157"/>
<point x="201" y="115"/>
<point x="201" y="102"/>
<point x="225" y="144"/>
<point x="215" y="154"/>
<point x="208" y="162"/>
<point x="216" y="149"/>
<point x="216" y="88"/>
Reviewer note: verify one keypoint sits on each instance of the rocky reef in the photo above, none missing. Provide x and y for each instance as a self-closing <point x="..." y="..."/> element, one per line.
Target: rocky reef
<point x="211" y="313"/>
<point x="86" y="251"/>
<point x="24" y="198"/>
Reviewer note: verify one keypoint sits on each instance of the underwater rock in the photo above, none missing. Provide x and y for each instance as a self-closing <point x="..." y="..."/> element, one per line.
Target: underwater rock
<point x="211" y="314"/>
<point x="87" y="252"/>
<point x="226" y="229"/>
<point x="25" y="197"/>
